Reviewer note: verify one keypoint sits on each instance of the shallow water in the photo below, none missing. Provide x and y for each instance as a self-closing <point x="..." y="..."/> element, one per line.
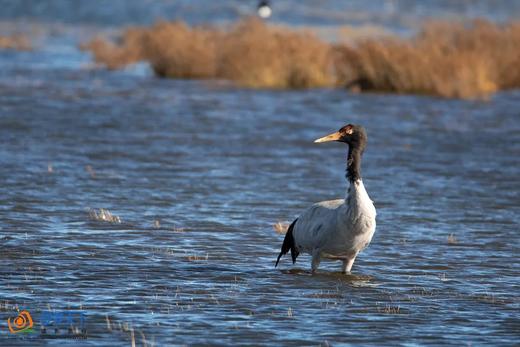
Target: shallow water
<point x="217" y="167"/>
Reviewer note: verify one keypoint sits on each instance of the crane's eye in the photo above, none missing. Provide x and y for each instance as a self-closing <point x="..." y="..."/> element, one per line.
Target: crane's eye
<point x="347" y="129"/>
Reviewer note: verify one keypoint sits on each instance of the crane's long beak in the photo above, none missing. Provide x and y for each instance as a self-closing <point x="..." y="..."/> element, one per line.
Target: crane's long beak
<point x="331" y="137"/>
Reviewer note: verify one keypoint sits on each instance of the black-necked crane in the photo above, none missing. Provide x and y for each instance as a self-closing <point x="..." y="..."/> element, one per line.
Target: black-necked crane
<point x="336" y="229"/>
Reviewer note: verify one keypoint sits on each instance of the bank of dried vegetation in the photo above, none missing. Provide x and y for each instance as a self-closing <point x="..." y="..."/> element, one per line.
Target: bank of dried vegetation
<point x="446" y="59"/>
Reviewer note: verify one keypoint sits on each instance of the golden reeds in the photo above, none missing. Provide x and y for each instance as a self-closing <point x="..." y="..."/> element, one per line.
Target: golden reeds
<point x="103" y="215"/>
<point x="257" y="55"/>
<point x="446" y="59"/>
<point x="250" y="53"/>
<point x="452" y="240"/>
<point x="456" y="60"/>
<point x="114" y="55"/>
<point x="281" y="227"/>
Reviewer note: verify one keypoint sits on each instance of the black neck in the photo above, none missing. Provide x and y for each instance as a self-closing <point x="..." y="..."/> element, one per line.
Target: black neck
<point x="354" y="163"/>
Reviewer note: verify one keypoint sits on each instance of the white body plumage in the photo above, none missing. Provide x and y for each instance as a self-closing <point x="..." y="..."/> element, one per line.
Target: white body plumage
<point x="337" y="229"/>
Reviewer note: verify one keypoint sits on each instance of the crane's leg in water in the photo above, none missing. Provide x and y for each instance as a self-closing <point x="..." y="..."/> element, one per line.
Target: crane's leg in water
<point x="316" y="258"/>
<point x="347" y="264"/>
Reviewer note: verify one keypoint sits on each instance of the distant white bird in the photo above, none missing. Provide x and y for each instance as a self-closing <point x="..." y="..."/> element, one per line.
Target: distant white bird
<point x="264" y="10"/>
<point x="336" y="229"/>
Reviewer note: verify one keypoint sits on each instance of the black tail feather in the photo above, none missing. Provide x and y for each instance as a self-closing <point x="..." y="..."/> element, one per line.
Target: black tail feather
<point x="288" y="244"/>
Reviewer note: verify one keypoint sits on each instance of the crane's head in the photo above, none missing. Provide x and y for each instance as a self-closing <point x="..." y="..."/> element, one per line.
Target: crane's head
<point x="354" y="135"/>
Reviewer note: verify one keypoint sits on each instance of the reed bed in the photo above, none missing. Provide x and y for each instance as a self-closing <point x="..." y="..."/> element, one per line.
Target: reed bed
<point x="453" y="60"/>
<point x="446" y="59"/>
<point x="250" y="53"/>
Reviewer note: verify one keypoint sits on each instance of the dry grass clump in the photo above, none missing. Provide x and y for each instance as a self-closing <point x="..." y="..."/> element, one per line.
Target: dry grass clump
<point x="250" y="53"/>
<point x="173" y="50"/>
<point x="258" y="55"/>
<point x="195" y="257"/>
<point x="281" y="227"/>
<point x="178" y="51"/>
<point x="103" y="215"/>
<point x="452" y="240"/>
<point x="18" y="42"/>
<point x="454" y="60"/>
<point x="115" y="55"/>
<point x="389" y="309"/>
